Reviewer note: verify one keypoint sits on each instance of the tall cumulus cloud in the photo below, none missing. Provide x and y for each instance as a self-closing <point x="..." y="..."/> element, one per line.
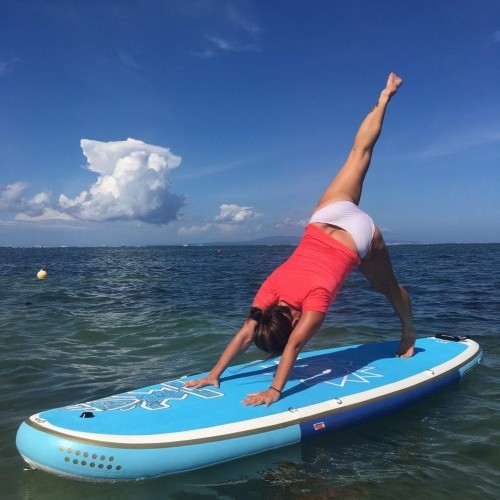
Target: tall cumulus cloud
<point x="132" y="183"/>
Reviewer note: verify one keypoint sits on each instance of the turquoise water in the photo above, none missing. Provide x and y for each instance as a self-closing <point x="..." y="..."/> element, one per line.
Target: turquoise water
<point x="107" y="320"/>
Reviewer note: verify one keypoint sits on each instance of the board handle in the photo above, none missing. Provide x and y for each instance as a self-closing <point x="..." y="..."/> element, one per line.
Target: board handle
<point x="452" y="338"/>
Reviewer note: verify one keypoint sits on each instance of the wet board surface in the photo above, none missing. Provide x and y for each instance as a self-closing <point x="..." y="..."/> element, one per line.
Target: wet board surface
<point x="167" y="428"/>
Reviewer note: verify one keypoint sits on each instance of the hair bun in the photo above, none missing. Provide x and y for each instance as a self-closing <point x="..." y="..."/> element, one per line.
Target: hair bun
<point x="255" y="314"/>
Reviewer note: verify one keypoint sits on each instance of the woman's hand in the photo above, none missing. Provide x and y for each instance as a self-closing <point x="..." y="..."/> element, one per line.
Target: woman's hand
<point x="238" y="344"/>
<point x="259" y="398"/>
<point x="202" y="382"/>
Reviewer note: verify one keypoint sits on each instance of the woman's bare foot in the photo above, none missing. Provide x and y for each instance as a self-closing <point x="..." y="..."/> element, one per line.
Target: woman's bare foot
<point x="393" y="84"/>
<point x="406" y="347"/>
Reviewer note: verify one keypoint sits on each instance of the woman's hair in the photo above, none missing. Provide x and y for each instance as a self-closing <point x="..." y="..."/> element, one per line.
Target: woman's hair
<point x="273" y="329"/>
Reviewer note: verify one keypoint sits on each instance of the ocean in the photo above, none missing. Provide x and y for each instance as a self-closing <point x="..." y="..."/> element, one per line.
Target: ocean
<point x="108" y="320"/>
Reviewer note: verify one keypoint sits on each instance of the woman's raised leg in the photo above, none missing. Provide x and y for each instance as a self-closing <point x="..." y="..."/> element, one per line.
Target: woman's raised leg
<point x="348" y="182"/>
<point x="347" y="185"/>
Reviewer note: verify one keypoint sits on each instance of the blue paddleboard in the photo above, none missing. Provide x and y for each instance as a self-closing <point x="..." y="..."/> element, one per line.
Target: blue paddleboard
<point x="168" y="428"/>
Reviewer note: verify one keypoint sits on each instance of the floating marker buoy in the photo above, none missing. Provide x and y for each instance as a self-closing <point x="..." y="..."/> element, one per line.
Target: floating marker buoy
<point x="42" y="274"/>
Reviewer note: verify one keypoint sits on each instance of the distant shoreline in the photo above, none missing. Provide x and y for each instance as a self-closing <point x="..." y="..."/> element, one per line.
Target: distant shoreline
<point x="259" y="242"/>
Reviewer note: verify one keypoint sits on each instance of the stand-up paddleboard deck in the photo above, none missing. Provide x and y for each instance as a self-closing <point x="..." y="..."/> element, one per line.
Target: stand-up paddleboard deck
<point x="167" y="428"/>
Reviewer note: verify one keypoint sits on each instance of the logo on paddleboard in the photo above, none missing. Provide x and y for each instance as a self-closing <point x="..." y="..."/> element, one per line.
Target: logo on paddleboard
<point x="335" y="372"/>
<point x="157" y="398"/>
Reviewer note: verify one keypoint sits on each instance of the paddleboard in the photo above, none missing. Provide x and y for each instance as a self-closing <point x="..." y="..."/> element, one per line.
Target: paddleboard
<point x="168" y="428"/>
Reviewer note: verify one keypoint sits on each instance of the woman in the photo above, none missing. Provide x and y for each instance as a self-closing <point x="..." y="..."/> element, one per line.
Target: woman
<point x="291" y="304"/>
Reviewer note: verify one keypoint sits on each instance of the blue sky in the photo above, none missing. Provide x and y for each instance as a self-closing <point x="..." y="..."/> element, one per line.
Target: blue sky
<point x="166" y="122"/>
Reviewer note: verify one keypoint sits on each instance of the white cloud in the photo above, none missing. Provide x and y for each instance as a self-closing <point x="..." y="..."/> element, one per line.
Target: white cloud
<point x="222" y="44"/>
<point x="461" y="141"/>
<point x="230" y="29"/>
<point x="235" y="214"/>
<point x="132" y="183"/>
<point x="47" y="214"/>
<point x="11" y="196"/>
<point x="288" y="223"/>
<point x="241" y="21"/>
<point x="193" y="230"/>
<point x="41" y="199"/>
<point x="231" y="219"/>
<point x="227" y="45"/>
<point x="37" y="204"/>
<point x="12" y="200"/>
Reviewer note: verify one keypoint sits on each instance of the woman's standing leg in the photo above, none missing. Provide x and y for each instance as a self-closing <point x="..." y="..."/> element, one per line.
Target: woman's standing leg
<point x="377" y="268"/>
<point x="348" y="182"/>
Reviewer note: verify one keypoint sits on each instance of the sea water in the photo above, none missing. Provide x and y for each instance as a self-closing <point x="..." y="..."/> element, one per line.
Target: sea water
<point x="108" y="320"/>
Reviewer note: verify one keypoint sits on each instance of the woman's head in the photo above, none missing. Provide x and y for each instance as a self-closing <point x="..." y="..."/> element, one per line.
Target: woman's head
<point x="275" y="324"/>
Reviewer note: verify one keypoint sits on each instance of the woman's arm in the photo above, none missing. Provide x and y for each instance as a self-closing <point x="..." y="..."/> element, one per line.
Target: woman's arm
<point x="308" y="325"/>
<point x="240" y="343"/>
